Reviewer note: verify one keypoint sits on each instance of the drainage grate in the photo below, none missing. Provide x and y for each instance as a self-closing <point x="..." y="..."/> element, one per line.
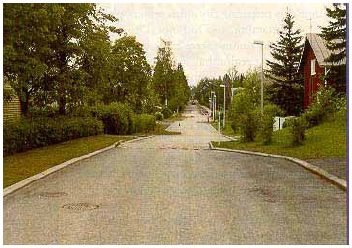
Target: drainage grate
<point x="52" y="194"/>
<point x="80" y="206"/>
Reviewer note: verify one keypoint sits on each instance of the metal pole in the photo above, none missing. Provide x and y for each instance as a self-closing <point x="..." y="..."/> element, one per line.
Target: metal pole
<point x="224" y="107"/>
<point x="213" y="104"/>
<point x="262" y="82"/>
<point x="219" y="125"/>
<point x="215" y="108"/>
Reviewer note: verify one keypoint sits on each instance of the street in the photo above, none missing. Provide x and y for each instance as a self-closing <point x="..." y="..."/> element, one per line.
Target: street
<point x="172" y="189"/>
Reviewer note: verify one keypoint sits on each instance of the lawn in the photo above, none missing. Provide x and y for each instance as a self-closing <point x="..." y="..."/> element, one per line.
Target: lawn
<point x="26" y="164"/>
<point x="227" y="130"/>
<point x="327" y="140"/>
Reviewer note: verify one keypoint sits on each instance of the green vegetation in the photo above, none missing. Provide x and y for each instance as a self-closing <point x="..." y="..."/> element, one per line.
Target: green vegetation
<point x="61" y="63"/>
<point x="227" y="130"/>
<point x="335" y="35"/>
<point x="26" y="164"/>
<point x="26" y="134"/>
<point x="286" y="82"/>
<point x="327" y="140"/>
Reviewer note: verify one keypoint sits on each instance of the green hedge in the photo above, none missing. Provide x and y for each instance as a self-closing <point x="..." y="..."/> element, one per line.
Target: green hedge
<point x="117" y="118"/>
<point x="27" y="134"/>
<point x="144" y="123"/>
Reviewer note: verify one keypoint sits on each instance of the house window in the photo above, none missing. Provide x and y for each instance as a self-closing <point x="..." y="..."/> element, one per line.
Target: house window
<point x="312" y="67"/>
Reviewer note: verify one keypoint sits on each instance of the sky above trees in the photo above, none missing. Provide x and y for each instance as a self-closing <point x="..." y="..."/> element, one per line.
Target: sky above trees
<point x="208" y="39"/>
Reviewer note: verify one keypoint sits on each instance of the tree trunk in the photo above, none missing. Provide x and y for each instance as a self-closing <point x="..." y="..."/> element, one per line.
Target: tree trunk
<point x="25" y="105"/>
<point x="62" y="104"/>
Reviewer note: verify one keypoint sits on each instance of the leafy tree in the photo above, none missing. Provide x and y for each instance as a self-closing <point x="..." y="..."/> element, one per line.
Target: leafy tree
<point x="131" y="74"/>
<point x="170" y="83"/>
<point x="26" y="43"/>
<point x="76" y="22"/>
<point x="244" y="110"/>
<point x="335" y="36"/>
<point x="181" y="91"/>
<point x="286" y="90"/>
<point x="163" y="72"/>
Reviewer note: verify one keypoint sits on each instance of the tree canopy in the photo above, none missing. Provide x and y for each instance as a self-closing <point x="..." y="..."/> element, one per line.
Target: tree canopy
<point x="287" y="84"/>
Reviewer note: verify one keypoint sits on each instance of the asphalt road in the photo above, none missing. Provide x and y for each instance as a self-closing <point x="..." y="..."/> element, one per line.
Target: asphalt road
<point x="174" y="190"/>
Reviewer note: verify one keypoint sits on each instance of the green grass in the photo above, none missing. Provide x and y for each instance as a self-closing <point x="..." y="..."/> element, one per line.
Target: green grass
<point x="327" y="140"/>
<point x="160" y="129"/>
<point x="26" y="164"/>
<point x="227" y="130"/>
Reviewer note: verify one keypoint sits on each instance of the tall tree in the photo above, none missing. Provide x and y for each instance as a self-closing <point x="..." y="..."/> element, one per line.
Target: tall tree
<point x="287" y="84"/>
<point x="76" y="23"/>
<point x="163" y="77"/>
<point x="335" y="37"/>
<point x="131" y="73"/>
<point x="181" y="91"/>
<point x="26" y="43"/>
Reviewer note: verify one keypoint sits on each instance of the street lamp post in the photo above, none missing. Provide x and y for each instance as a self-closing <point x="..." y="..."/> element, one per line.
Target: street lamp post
<point x="212" y="103"/>
<point x="223" y="86"/>
<point x="257" y="42"/>
<point x="214" y="107"/>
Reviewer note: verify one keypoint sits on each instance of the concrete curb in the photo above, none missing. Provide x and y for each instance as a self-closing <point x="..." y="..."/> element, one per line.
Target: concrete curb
<point x="312" y="168"/>
<point x="14" y="187"/>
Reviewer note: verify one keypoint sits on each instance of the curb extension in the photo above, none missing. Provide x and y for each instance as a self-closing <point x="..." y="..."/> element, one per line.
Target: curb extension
<point x="312" y="168"/>
<point x="14" y="187"/>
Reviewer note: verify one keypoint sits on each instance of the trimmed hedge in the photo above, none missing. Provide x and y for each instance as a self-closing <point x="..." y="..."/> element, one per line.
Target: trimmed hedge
<point x="27" y="134"/>
<point x="144" y="123"/>
<point x="117" y="118"/>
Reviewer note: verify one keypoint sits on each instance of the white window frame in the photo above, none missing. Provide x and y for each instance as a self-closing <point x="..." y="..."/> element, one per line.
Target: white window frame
<point x="312" y="67"/>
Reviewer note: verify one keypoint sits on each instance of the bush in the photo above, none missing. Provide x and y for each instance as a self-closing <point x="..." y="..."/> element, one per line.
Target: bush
<point x="144" y="123"/>
<point x="323" y="104"/>
<point x="27" y="134"/>
<point x="245" y="117"/>
<point x="288" y="121"/>
<point x="159" y="116"/>
<point x="117" y="118"/>
<point x="267" y="121"/>
<point x="166" y="112"/>
<point x="298" y="128"/>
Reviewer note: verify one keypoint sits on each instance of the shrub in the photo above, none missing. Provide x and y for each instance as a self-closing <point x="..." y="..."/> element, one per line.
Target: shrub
<point x="288" y="121"/>
<point x="166" y="112"/>
<point x="144" y="123"/>
<point x="298" y="128"/>
<point x="323" y="104"/>
<point x="267" y="121"/>
<point x="245" y="117"/>
<point x="159" y="116"/>
<point x="31" y="133"/>
<point x="117" y="118"/>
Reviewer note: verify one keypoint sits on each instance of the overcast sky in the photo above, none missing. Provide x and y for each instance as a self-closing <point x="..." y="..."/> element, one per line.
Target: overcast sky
<point x="208" y="39"/>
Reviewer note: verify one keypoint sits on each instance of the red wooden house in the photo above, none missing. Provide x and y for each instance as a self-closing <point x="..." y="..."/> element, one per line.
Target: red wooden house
<point x="313" y="65"/>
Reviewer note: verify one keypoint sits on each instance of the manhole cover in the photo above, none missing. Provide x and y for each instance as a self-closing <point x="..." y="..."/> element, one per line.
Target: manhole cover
<point x="52" y="194"/>
<point x="80" y="206"/>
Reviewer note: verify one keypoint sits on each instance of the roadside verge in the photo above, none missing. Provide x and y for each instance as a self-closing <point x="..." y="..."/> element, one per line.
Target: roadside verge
<point x="14" y="187"/>
<point x="312" y="168"/>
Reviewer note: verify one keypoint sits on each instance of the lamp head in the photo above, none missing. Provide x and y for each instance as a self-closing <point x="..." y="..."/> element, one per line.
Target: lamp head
<point x="258" y="42"/>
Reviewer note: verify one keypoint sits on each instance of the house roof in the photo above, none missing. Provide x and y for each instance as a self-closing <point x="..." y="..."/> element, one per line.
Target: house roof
<point x="320" y="50"/>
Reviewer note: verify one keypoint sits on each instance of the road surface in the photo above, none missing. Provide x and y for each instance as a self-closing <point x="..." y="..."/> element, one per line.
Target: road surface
<point x="174" y="190"/>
